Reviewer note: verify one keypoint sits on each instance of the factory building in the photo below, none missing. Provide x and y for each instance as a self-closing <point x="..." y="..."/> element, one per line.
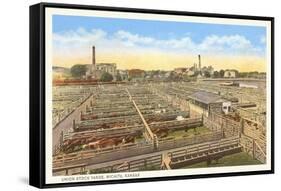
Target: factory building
<point x="95" y="70"/>
<point x="190" y="71"/>
<point x="184" y="71"/>
<point x="180" y="70"/>
<point x="107" y="67"/>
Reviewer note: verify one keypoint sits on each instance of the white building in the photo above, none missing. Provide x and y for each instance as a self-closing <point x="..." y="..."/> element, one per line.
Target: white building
<point x="184" y="71"/>
<point x="230" y="73"/>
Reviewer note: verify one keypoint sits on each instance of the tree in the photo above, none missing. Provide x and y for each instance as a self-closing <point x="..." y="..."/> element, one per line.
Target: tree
<point x="207" y="74"/>
<point x="118" y="77"/>
<point x="155" y="73"/>
<point x="106" y="77"/>
<point x="196" y="73"/>
<point x="253" y="74"/>
<point x="221" y="73"/>
<point x="192" y="68"/>
<point x="78" y="70"/>
<point x="174" y="77"/>
<point x="243" y="74"/>
<point x="185" y="77"/>
<point x="216" y="74"/>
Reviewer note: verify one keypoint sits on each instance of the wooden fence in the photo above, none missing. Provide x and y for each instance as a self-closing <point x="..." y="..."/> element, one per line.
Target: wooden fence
<point x="65" y="161"/>
<point x="253" y="148"/>
<point x="252" y="134"/>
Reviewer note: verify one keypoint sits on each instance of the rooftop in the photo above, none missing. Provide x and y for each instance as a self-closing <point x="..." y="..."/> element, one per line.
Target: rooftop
<point x="206" y="97"/>
<point x="106" y="64"/>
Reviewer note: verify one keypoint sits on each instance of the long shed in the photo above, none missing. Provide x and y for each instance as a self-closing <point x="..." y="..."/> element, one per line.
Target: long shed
<point x="204" y="102"/>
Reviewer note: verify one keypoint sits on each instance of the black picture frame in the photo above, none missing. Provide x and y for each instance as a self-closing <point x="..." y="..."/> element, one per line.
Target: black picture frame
<point x="37" y="93"/>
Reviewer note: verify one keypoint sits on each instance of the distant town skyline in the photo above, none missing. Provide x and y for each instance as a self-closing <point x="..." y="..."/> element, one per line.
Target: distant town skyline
<point x="152" y="45"/>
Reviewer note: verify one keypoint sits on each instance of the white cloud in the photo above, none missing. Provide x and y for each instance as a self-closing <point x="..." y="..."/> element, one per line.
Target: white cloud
<point x="133" y="38"/>
<point x="228" y="44"/>
<point x="138" y="40"/>
<point x="80" y="36"/>
<point x="263" y="40"/>
<point x="79" y="41"/>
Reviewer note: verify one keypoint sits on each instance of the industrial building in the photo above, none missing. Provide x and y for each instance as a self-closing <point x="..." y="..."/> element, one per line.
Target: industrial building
<point x="196" y="69"/>
<point x="182" y="71"/>
<point x="95" y="70"/>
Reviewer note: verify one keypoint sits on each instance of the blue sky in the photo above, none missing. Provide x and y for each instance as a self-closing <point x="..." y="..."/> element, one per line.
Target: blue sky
<point x="158" y="29"/>
<point x="147" y="44"/>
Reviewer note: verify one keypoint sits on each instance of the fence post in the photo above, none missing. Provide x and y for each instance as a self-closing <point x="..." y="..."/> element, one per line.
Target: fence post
<point x="73" y="125"/>
<point x="145" y="163"/>
<point x="155" y="142"/>
<point x="222" y="130"/>
<point x="81" y="114"/>
<point x="208" y="157"/>
<point x="254" y="149"/>
<point x="61" y="141"/>
<point x="241" y="129"/>
<point x="82" y="169"/>
<point x="129" y="166"/>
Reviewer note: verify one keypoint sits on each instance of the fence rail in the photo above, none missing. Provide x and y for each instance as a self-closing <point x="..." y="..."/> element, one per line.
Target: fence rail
<point x="157" y="161"/>
<point x="129" y="150"/>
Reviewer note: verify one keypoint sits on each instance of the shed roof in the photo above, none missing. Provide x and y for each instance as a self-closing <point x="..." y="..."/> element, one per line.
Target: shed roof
<point x="206" y="97"/>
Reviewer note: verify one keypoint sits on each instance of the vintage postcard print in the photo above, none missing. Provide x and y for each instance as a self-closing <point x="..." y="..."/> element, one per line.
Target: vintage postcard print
<point x="133" y="95"/>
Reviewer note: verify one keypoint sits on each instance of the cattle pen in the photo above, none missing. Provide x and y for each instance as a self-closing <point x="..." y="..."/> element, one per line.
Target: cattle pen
<point x="128" y="127"/>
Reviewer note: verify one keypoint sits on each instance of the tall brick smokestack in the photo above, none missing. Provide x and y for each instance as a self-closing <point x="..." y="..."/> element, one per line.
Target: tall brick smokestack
<point x="199" y="62"/>
<point x="94" y="56"/>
